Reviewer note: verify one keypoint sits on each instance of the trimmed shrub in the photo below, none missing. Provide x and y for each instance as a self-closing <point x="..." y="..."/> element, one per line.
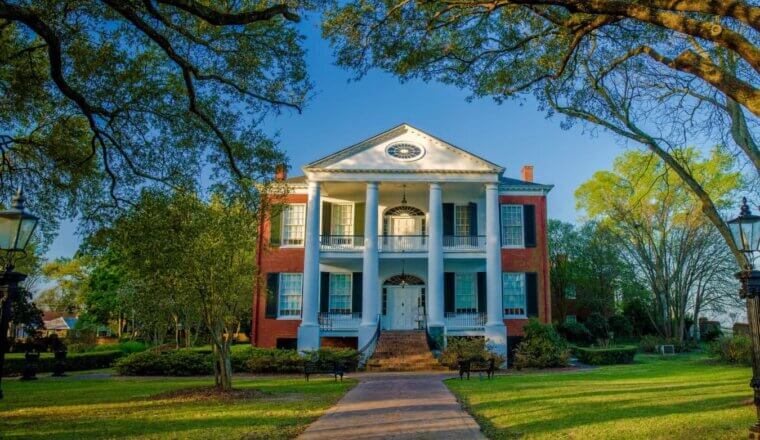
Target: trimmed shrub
<point x="165" y="363"/>
<point x="74" y="362"/>
<point x="648" y="344"/>
<point x="542" y="347"/>
<point x="712" y="333"/>
<point x="575" y="333"/>
<point x="127" y="347"/>
<point x="605" y="356"/>
<point x="732" y="350"/>
<point x="459" y="349"/>
<point x="326" y="358"/>
<point x="267" y="360"/>
<point x="597" y="325"/>
<point x="621" y="326"/>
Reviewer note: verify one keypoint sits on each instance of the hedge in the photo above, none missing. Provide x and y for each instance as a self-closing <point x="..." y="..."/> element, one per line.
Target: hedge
<point x="605" y="356"/>
<point x="165" y="363"/>
<point x="14" y="365"/>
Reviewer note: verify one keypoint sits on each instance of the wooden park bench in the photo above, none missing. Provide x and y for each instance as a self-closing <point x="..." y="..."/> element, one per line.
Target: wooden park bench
<point x="467" y="367"/>
<point x="313" y="367"/>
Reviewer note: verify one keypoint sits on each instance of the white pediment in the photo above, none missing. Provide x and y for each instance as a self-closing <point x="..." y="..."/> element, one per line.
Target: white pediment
<point x="403" y="149"/>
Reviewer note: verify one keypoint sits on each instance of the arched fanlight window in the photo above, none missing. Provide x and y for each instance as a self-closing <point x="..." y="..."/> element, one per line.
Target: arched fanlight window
<point x="404" y="279"/>
<point x="405" y="211"/>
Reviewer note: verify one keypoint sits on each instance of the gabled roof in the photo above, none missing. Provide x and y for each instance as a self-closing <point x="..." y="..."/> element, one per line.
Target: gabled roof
<point x="396" y="131"/>
<point x="510" y="184"/>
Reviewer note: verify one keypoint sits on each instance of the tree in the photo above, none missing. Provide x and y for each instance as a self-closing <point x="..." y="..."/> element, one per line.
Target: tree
<point x="677" y="255"/>
<point x="67" y="295"/>
<point x="562" y="252"/>
<point x="205" y="271"/>
<point x="101" y="98"/>
<point x="653" y="71"/>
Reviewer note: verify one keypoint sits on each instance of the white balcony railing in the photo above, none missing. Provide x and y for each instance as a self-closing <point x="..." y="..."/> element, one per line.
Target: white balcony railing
<point x="464" y="242"/>
<point x="339" y="321"/>
<point x="465" y="321"/>
<point x="341" y="243"/>
<point x="403" y="243"/>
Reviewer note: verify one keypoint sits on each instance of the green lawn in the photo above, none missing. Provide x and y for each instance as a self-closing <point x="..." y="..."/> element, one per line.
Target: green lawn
<point x="682" y="397"/>
<point x="130" y="408"/>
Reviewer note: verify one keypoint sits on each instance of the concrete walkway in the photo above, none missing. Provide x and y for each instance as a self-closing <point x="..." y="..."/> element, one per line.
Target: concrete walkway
<point x="396" y="406"/>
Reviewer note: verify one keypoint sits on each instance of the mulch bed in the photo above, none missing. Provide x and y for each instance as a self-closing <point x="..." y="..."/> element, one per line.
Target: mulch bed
<point x="209" y="393"/>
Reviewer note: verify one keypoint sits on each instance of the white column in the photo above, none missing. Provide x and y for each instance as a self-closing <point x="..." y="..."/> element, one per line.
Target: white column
<point x="308" y="331"/>
<point x="370" y="268"/>
<point x="435" y="259"/>
<point x="496" y="331"/>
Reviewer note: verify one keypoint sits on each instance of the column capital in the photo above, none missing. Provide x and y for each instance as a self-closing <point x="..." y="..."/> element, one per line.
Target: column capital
<point x="435" y="185"/>
<point x="373" y="184"/>
<point x="492" y="186"/>
<point x="313" y="184"/>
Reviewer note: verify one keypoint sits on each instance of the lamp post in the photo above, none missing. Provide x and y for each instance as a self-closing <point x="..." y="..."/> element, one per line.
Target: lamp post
<point x="745" y="230"/>
<point x="16" y="228"/>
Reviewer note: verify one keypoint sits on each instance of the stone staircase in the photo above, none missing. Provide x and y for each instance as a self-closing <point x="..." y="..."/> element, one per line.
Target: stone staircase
<point x="403" y="351"/>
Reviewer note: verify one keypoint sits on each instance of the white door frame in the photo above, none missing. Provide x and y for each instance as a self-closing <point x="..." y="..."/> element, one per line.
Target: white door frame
<point x="402" y="307"/>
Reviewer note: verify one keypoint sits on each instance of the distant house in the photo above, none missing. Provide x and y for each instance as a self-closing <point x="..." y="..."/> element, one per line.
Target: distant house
<point x="58" y="323"/>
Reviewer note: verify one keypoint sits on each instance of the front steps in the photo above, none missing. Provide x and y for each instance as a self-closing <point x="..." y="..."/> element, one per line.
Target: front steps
<point x="403" y="351"/>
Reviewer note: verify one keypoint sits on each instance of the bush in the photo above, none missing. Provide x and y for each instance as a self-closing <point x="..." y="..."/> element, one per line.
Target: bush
<point x="575" y="333"/>
<point x="165" y="363"/>
<point x="597" y="325"/>
<point x="267" y="360"/>
<point x="41" y="344"/>
<point x="542" y="347"/>
<point x="326" y="357"/>
<point x="605" y="356"/>
<point x="74" y="362"/>
<point x="621" y="326"/>
<point x="80" y="347"/>
<point x="712" y="333"/>
<point x="732" y="350"/>
<point x="467" y="350"/>
<point x="127" y="347"/>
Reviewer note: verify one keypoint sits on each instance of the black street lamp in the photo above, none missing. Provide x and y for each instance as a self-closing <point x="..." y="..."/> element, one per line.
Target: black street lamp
<point x="16" y="228"/>
<point x="745" y="230"/>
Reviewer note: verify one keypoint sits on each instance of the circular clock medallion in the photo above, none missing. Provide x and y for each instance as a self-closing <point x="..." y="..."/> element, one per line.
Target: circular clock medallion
<point x="404" y="151"/>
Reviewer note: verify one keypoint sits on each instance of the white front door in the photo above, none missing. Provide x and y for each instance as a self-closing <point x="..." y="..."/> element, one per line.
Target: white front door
<point x="404" y="226"/>
<point x="402" y="309"/>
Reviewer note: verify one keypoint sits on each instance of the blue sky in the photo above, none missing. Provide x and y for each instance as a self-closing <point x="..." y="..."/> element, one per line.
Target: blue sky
<point x="343" y="112"/>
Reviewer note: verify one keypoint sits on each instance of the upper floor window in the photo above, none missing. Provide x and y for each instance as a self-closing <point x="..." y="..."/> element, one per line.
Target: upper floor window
<point x="465" y="300"/>
<point x="340" y="293"/>
<point x="513" y="293"/>
<point x="512" y="234"/>
<point x="293" y="224"/>
<point x="289" y="302"/>
<point x="462" y="224"/>
<point x="341" y="222"/>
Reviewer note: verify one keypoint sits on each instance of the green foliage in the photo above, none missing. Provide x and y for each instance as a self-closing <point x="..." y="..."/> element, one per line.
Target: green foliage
<point x="605" y="356"/>
<point x="597" y="325"/>
<point x="575" y="333"/>
<point x="327" y="357"/>
<point x="127" y="347"/>
<point x="542" y="347"/>
<point x="267" y="360"/>
<point x="74" y="361"/>
<point x="733" y="350"/>
<point x="463" y="349"/>
<point x="165" y="363"/>
<point x="620" y="326"/>
<point x="712" y="333"/>
<point x="649" y="344"/>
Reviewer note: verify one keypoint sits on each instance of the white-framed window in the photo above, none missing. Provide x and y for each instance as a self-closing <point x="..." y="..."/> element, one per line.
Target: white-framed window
<point x="570" y="292"/>
<point x="342" y="221"/>
<point x="340" y="293"/>
<point x="465" y="296"/>
<point x="571" y="319"/>
<point x="462" y="225"/>
<point x="293" y="224"/>
<point x="512" y="234"/>
<point x="513" y="293"/>
<point x="290" y="294"/>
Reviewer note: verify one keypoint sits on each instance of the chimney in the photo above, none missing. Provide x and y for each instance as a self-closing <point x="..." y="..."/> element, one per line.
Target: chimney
<point x="280" y="172"/>
<point x="527" y="173"/>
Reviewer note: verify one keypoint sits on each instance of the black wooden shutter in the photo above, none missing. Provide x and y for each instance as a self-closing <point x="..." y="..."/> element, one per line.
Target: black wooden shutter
<point x="482" y="289"/>
<point x="359" y="219"/>
<point x="473" y="208"/>
<point x="275" y="225"/>
<point x="385" y="301"/>
<point x="501" y="227"/>
<point x="529" y="225"/>
<point x="449" y="293"/>
<point x="448" y="219"/>
<point x="356" y="294"/>
<point x="324" y="292"/>
<point x="326" y="218"/>
<point x="273" y="293"/>
<point x="531" y="294"/>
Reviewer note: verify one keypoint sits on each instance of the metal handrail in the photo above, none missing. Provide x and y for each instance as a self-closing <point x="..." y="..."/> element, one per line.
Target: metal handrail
<point x="341" y="243"/>
<point x="369" y="348"/>
<point x="464" y="242"/>
<point x="464" y="320"/>
<point x="339" y="321"/>
<point x="401" y="243"/>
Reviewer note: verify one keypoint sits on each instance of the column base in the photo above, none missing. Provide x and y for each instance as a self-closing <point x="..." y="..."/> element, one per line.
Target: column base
<point x="496" y="339"/>
<point x="308" y="337"/>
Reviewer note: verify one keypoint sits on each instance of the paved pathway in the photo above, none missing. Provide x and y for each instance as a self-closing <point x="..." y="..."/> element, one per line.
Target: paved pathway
<point x="396" y="406"/>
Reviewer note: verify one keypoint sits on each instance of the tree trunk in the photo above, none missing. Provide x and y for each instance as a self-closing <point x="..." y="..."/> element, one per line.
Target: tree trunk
<point x="223" y="366"/>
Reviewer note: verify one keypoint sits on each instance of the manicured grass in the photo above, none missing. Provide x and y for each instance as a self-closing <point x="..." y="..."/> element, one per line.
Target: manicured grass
<point x="681" y="397"/>
<point x="72" y="408"/>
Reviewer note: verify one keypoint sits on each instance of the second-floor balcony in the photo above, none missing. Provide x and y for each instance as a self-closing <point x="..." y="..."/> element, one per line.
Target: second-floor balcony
<point x="402" y="243"/>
